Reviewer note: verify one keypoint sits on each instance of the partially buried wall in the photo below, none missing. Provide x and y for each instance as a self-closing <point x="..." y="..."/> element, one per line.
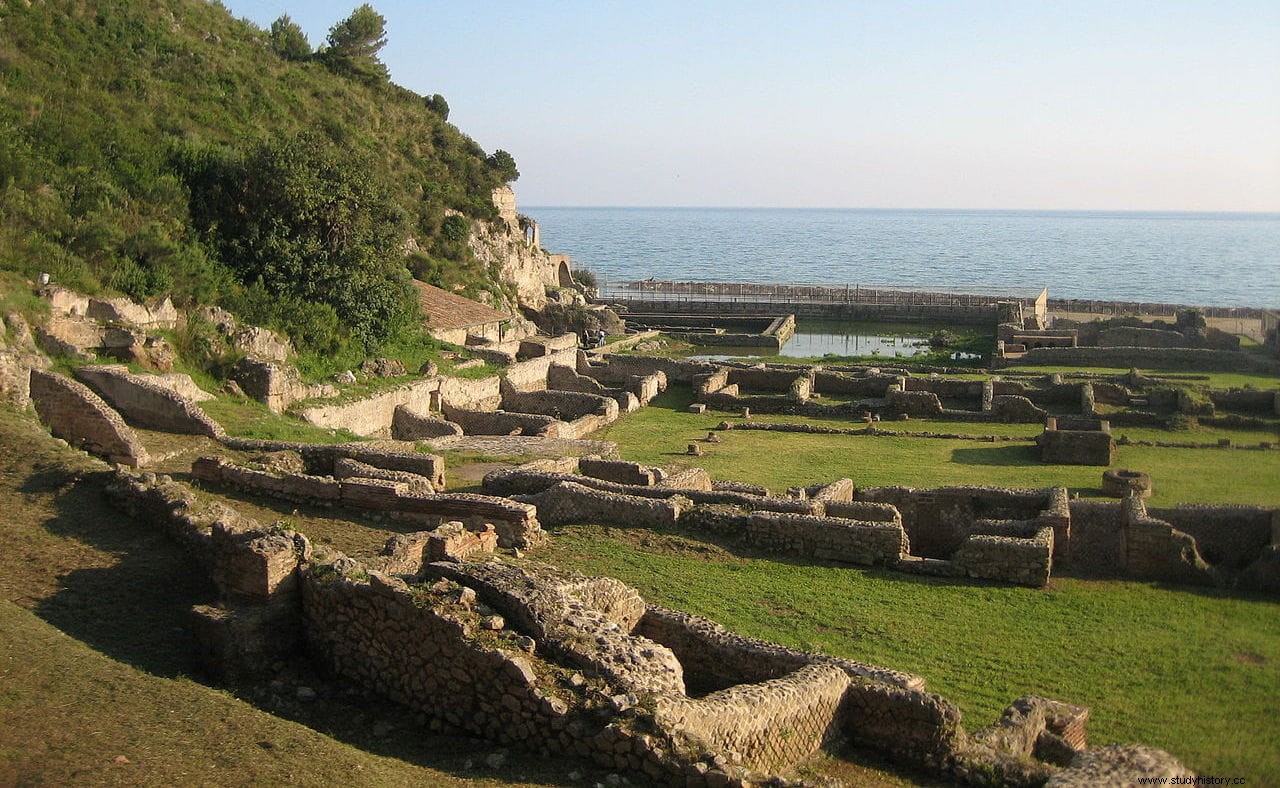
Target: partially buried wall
<point x="145" y="403"/>
<point x="424" y="642"/>
<point x="80" y="417"/>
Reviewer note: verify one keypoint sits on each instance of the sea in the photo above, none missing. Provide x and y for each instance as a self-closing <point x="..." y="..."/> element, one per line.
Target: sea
<point x="1203" y="259"/>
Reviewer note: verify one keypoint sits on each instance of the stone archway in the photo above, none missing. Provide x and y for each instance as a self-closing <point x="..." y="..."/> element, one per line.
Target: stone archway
<point x="563" y="275"/>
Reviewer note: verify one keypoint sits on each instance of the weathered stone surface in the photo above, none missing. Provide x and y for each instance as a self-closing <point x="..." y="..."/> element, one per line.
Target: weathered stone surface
<point x="122" y="310"/>
<point x="80" y="417"/>
<point x="148" y="403"/>
<point x="1120" y="483"/>
<point x="410" y="425"/>
<point x="1118" y="764"/>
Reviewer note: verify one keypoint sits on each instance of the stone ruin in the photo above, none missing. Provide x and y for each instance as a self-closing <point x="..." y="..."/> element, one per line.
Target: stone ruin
<point x="548" y="660"/>
<point x="563" y="664"/>
<point x="989" y="533"/>
<point x="1077" y="442"/>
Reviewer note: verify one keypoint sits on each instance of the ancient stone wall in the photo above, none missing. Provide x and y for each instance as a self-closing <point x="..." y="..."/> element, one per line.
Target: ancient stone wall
<point x="1148" y="358"/>
<point x="410" y="425"/>
<point x="1155" y="550"/>
<point x="145" y="403"/>
<point x="516" y="523"/>
<point x="1076" y="442"/>
<point x="621" y="368"/>
<point x="501" y="422"/>
<point x="564" y="378"/>
<point x="478" y="394"/>
<point x="345" y="468"/>
<point x="937" y="520"/>
<point x="568" y="502"/>
<point x="747" y="719"/>
<point x="842" y="384"/>
<point x="1021" y="554"/>
<point x="1247" y="401"/>
<point x="74" y="413"/>
<point x="320" y="458"/>
<point x="822" y="538"/>
<point x="913" y="403"/>
<point x="715" y="658"/>
<point x="527" y="481"/>
<point x="531" y="374"/>
<point x="373" y="415"/>
<point x="766" y="379"/>
<point x="562" y="405"/>
<point x="1228" y="537"/>
<point x="618" y="471"/>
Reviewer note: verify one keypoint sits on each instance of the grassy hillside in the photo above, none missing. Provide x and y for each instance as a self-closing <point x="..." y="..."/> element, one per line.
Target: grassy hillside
<point x="130" y="133"/>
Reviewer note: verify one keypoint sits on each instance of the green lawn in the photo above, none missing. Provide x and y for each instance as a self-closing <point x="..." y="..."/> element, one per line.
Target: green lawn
<point x="1191" y="671"/>
<point x="661" y="433"/>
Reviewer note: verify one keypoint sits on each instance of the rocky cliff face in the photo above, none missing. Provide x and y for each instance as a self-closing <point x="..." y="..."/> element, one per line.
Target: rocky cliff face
<point x="512" y="245"/>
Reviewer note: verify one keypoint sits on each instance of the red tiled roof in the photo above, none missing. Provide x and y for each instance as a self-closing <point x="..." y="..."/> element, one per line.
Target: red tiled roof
<point x="445" y="310"/>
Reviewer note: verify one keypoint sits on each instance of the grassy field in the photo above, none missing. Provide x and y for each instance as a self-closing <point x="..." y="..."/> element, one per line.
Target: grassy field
<point x="1191" y="671"/>
<point x="661" y="433"/>
<point x="97" y="683"/>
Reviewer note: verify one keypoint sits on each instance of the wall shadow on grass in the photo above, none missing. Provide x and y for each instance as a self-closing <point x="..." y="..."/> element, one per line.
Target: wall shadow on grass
<point x="1006" y="455"/>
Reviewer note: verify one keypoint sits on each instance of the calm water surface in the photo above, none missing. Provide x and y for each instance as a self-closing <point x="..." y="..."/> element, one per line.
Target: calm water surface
<point x="1206" y="259"/>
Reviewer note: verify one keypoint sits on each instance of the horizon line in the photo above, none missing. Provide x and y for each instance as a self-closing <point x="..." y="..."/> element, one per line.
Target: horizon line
<point x="1180" y="211"/>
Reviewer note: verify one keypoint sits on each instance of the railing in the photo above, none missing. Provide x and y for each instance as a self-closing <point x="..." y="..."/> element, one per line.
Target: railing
<point x="655" y="290"/>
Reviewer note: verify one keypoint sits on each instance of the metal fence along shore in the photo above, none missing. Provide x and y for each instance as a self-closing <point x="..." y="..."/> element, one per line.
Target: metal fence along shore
<point x="653" y="290"/>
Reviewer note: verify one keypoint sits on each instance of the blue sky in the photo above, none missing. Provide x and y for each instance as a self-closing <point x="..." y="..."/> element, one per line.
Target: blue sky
<point x="1046" y="105"/>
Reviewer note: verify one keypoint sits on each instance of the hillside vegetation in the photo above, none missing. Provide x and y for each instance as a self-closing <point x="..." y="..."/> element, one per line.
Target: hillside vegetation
<point x="163" y="147"/>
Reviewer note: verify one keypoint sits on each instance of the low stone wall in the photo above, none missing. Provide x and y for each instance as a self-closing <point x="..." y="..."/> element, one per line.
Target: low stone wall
<point x="374" y="415"/>
<point x="1015" y="409"/>
<point x="618" y="471"/>
<point x="548" y="604"/>
<point x="409" y="425"/>
<point x="524" y="481"/>
<point x="471" y="394"/>
<point x="255" y="569"/>
<point x="568" y="502"/>
<point x="1228" y="537"/>
<point x="747" y="719"/>
<point x="938" y="520"/>
<point x="531" y="374"/>
<point x="913" y="403"/>
<point x="320" y="458"/>
<point x="74" y="413"/>
<point x="837" y="383"/>
<point x="1248" y="401"/>
<point x="564" y="378"/>
<point x="822" y="538"/>
<point x="715" y="658"/>
<point x="1147" y="358"/>
<point x="1008" y="555"/>
<point x="516" y="523"/>
<point x="620" y="368"/>
<point x="867" y="511"/>
<point x="1061" y="443"/>
<point x="562" y="405"/>
<point x="1155" y="550"/>
<point x="344" y="468"/>
<point x="144" y="403"/>
<point x="764" y="379"/>
<point x="501" y="422"/>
